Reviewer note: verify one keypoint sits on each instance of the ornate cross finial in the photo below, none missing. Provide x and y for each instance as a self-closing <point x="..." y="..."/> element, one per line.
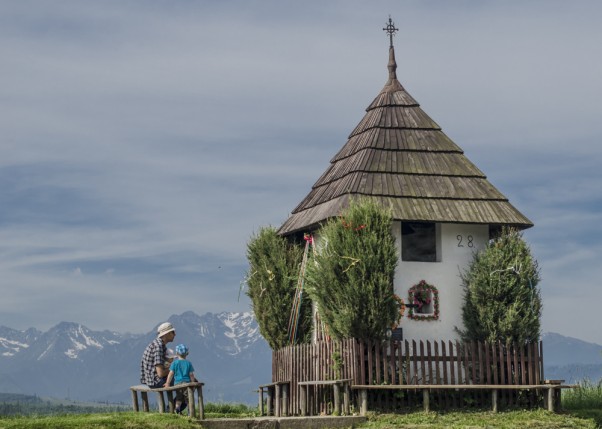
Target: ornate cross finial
<point x="390" y="30"/>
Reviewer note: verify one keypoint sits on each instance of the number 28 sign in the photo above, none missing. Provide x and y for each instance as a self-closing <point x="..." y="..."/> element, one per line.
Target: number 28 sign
<point x="465" y="241"/>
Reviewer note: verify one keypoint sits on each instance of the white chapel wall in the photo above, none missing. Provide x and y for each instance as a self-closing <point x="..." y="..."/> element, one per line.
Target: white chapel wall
<point x="456" y="246"/>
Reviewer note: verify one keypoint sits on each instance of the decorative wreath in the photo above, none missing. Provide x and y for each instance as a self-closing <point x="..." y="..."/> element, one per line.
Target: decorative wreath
<point x="402" y="309"/>
<point x="421" y="289"/>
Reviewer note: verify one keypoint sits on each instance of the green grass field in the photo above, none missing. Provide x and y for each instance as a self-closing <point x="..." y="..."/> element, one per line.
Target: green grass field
<point x="130" y="420"/>
<point x="582" y="409"/>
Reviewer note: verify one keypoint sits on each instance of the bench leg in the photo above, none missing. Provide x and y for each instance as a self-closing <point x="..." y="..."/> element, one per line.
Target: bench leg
<point x="551" y="400"/>
<point x="277" y="400"/>
<point x="285" y="400"/>
<point x="337" y="399"/>
<point x="269" y="400"/>
<point x="201" y="405"/>
<point x="346" y="399"/>
<point x="161" y="401"/>
<point x="425" y="400"/>
<point x="170" y="399"/>
<point x="363" y="402"/>
<point x="191" y="410"/>
<point x="135" y="400"/>
<point x="303" y="400"/>
<point x="494" y="400"/>
<point x="260" y="403"/>
<point x="144" y="396"/>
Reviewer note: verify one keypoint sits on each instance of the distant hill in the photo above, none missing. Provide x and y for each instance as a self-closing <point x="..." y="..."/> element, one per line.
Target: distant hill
<point x="571" y="359"/>
<point x="561" y="350"/>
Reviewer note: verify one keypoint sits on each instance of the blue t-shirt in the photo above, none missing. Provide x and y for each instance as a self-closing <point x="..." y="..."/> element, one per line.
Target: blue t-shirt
<point x="181" y="369"/>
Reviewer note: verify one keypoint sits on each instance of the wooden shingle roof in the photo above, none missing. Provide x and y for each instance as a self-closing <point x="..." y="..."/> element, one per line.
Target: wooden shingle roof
<point x="399" y="156"/>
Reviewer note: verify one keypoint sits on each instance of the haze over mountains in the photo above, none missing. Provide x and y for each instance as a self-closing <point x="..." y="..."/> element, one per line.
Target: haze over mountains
<point x="229" y="355"/>
<point x="71" y="361"/>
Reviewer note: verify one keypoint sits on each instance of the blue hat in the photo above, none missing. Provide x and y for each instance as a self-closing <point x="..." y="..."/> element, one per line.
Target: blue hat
<point x="181" y="350"/>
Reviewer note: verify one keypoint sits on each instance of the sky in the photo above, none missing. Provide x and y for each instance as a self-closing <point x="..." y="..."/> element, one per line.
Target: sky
<point x="143" y="142"/>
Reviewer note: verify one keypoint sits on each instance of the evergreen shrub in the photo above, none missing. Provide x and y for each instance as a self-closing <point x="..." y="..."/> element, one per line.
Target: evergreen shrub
<point x="274" y="264"/>
<point x="351" y="277"/>
<point x="501" y="299"/>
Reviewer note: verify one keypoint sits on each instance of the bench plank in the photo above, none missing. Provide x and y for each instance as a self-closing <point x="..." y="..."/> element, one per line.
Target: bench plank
<point x="190" y="388"/>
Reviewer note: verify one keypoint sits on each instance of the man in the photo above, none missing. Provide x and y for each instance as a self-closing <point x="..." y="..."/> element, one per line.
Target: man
<point x="154" y="367"/>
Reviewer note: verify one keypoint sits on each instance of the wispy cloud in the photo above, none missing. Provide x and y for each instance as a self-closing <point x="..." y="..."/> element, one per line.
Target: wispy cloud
<point x="144" y="142"/>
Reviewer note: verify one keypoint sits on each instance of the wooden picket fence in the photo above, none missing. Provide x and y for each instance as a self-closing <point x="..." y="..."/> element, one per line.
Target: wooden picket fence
<point x="411" y="363"/>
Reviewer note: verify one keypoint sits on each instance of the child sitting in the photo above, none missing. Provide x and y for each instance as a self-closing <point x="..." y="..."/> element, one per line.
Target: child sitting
<point x="181" y="371"/>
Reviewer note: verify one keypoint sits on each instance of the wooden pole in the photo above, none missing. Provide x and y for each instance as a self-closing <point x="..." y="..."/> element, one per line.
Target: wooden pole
<point x="337" y="399"/>
<point x="551" y="400"/>
<point x="363" y="402"/>
<point x="135" y="400"/>
<point x="201" y="403"/>
<point x="285" y="399"/>
<point x="161" y="402"/>
<point x="260" y="401"/>
<point x="277" y="398"/>
<point x="303" y="400"/>
<point x="270" y="398"/>
<point x="144" y="396"/>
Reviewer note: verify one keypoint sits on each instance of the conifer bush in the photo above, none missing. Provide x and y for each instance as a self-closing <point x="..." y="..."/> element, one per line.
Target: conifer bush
<point x="351" y="277"/>
<point x="274" y="264"/>
<point x="501" y="299"/>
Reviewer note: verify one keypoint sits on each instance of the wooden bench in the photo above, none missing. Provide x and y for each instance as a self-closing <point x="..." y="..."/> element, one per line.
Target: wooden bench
<point x="337" y="385"/>
<point x="276" y="398"/>
<point x="552" y="399"/>
<point x="190" y="387"/>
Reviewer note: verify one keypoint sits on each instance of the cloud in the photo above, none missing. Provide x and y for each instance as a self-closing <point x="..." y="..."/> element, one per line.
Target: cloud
<point x="143" y="143"/>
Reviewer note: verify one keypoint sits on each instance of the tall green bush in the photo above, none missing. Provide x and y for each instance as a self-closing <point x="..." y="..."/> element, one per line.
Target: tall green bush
<point x="501" y="299"/>
<point x="351" y="277"/>
<point x="274" y="264"/>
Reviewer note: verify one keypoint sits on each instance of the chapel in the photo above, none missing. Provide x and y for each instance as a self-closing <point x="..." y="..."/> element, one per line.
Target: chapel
<point x="444" y="208"/>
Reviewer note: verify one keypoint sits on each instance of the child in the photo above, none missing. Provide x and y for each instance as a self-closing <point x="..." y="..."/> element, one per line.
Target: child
<point x="181" y="371"/>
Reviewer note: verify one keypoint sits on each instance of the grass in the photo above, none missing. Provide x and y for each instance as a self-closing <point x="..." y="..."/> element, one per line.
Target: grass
<point x="121" y="420"/>
<point x="588" y="396"/>
<point x="585" y="402"/>
<point x="125" y="420"/>
<point x="582" y="409"/>
<point x="484" y="419"/>
<point x="417" y="420"/>
<point x="217" y="411"/>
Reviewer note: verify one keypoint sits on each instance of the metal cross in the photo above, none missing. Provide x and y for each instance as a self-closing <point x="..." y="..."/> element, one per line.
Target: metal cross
<point x="390" y="30"/>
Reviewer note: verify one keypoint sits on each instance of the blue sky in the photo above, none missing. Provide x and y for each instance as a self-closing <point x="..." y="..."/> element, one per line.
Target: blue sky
<point x="143" y="142"/>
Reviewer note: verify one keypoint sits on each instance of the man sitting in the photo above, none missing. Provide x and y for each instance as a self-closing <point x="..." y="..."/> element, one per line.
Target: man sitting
<point x="154" y="367"/>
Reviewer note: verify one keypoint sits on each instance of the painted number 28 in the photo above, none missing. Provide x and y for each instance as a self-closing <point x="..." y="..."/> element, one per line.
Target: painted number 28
<point x="468" y="240"/>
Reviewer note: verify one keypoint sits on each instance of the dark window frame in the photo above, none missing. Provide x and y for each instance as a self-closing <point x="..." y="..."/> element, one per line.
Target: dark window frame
<point x="420" y="242"/>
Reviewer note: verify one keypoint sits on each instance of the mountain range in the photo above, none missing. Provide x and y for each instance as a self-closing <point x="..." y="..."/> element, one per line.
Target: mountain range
<point x="71" y="361"/>
<point x="229" y="354"/>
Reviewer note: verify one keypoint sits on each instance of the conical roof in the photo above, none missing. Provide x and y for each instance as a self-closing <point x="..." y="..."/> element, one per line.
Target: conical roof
<point x="400" y="157"/>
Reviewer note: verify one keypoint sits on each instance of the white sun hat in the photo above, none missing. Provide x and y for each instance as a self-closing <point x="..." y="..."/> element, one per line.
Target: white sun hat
<point x="165" y="328"/>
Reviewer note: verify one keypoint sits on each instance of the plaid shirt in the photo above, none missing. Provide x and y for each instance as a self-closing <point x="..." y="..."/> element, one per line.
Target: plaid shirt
<point x="154" y="354"/>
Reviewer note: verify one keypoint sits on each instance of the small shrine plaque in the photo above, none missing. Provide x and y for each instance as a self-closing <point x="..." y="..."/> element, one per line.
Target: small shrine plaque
<point x="397" y="334"/>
